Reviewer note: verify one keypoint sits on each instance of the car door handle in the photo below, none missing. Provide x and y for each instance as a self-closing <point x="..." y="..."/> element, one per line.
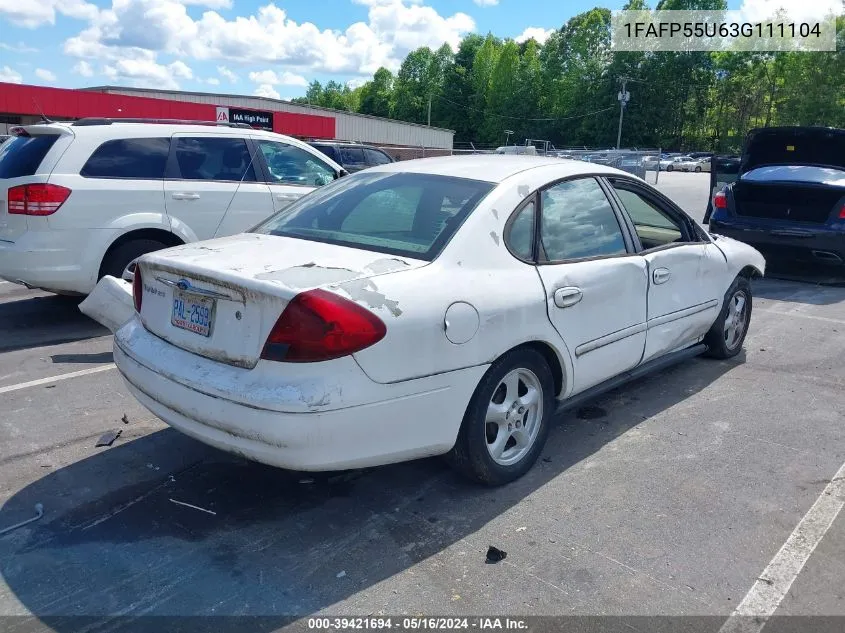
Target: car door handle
<point x="182" y="195"/>
<point x="287" y="196"/>
<point x="661" y="275"/>
<point x="565" y="297"/>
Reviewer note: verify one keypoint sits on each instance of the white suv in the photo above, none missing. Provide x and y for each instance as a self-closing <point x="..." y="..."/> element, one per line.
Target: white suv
<point x="82" y="200"/>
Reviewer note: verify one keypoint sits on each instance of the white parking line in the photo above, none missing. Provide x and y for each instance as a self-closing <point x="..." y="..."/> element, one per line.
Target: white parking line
<point x="773" y="584"/>
<point x="47" y="381"/>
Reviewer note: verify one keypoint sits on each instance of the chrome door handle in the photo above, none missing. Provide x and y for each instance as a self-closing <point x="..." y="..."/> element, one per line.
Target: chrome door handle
<point x="661" y="275"/>
<point x="186" y="196"/>
<point x="287" y="196"/>
<point x="565" y="297"/>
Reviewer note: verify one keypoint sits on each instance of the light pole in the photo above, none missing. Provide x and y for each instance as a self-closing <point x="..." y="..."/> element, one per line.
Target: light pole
<point x="623" y="97"/>
<point x="508" y="133"/>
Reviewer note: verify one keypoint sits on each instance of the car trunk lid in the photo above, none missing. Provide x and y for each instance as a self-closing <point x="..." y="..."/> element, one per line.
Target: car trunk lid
<point x="221" y="298"/>
<point x="813" y="146"/>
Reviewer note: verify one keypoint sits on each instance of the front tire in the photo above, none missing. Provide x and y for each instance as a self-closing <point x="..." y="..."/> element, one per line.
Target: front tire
<point x="697" y="170"/>
<point x="669" y="168"/>
<point x="507" y="421"/>
<point x="726" y="336"/>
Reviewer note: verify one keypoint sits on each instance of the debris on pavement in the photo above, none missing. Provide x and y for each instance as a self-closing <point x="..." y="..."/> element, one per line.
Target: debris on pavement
<point x="108" y="438"/>
<point x="188" y="505"/>
<point x="39" y="512"/>
<point x="125" y="419"/>
<point x="521" y="529"/>
<point x="494" y="555"/>
<point x="341" y="574"/>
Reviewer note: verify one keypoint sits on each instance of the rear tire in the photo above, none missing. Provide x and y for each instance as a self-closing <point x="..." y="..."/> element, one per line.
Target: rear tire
<point x="726" y="336"/>
<point x="507" y="421"/>
<point x="697" y="169"/>
<point x="669" y="168"/>
<point x="117" y="259"/>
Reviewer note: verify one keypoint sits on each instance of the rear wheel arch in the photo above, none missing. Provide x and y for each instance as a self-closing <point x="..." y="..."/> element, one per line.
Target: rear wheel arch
<point x="552" y="358"/>
<point x="139" y="235"/>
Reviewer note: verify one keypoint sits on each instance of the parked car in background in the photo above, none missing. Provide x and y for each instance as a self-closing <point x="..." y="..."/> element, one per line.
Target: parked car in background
<point x="355" y="329"/>
<point x="789" y="197"/>
<point x="4" y="138"/>
<point x="693" y="164"/>
<point x="674" y="163"/>
<point x="352" y="156"/>
<point x="82" y="200"/>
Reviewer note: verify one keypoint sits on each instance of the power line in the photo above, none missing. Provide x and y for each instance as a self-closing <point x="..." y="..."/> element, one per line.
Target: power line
<point x="519" y="118"/>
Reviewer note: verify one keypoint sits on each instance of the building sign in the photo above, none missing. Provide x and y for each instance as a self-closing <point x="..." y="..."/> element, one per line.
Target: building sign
<point x="253" y="118"/>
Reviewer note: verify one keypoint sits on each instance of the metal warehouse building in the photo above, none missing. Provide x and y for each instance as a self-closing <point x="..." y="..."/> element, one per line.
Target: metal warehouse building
<point x="22" y="104"/>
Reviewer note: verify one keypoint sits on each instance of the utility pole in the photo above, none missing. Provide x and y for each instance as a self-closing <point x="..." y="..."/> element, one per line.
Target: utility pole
<point x="429" y="110"/>
<point x="624" y="96"/>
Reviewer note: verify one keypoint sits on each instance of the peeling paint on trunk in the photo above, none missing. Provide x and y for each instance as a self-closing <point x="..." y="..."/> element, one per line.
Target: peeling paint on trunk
<point x="309" y="275"/>
<point x="495" y="237"/>
<point x="365" y="291"/>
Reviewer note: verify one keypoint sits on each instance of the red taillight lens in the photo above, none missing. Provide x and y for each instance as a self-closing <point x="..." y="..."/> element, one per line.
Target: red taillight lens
<point x="319" y="325"/>
<point x="137" y="289"/>
<point x="842" y="212"/>
<point x="720" y="200"/>
<point x="41" y="199"/>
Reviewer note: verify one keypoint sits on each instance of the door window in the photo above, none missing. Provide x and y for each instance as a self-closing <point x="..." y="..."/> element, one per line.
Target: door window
<point x="577" y="221"/>
<point x="353" y="156"/>
<point x="375" y="157"/>
<point x="130" y="158"/>
<point x="214" y="158"/>
<point x="654" y="226"/>
<point x="289" y="165"/>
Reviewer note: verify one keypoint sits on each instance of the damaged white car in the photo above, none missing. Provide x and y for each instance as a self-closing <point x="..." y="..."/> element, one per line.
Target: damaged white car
<point x="445" y="305"/>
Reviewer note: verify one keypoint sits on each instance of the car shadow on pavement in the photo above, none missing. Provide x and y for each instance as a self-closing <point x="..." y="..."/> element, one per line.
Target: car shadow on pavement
<point x="45" y="320"/>
<point x="114" y="544"/>
<point x="793" y="282"/>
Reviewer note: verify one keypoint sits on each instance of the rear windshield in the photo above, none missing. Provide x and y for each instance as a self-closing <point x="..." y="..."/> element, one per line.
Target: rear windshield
<point x="21" y="155"/>
<point x="407" y="214"/>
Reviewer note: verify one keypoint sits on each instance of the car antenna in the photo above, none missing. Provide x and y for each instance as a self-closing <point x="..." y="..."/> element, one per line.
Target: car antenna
<point x="44" y="118"/>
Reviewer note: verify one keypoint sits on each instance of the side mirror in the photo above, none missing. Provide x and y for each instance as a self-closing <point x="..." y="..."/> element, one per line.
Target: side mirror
<point x="341" y="173"/>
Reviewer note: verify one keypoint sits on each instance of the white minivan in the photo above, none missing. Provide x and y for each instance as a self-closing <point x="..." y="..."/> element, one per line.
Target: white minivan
<point x="82" y="200"/>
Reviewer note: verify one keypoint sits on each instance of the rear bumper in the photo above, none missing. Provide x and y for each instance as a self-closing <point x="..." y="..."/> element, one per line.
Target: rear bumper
<point x="302" y="422"/>
<point x="819" y="244"/>
<point x="64" y="261"/>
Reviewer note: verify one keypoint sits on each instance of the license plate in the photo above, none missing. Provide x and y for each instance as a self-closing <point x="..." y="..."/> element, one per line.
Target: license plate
<point x="192" y="312"/>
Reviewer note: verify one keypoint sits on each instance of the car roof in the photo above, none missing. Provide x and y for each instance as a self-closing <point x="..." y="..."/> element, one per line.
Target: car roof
<point x="491" y="167"/>
<point x="142" y="129"/>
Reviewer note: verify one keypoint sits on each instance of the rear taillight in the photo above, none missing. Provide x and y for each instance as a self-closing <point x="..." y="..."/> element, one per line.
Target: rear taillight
<point x="842" y="212"/>
<point x="40" y="199"/>
<point x="137" y="289"/>
<point x="720" y="200"/>
<point x="319" y="325"/>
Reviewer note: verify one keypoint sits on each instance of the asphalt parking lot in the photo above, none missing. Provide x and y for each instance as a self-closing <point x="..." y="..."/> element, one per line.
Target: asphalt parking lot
<point x="687" y="493"/>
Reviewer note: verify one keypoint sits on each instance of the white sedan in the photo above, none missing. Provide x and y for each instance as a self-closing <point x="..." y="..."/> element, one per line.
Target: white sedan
<point x="437" y="306"/>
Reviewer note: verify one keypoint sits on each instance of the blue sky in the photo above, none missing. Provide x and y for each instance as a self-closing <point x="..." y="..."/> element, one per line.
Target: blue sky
<point x="252" y="46"/>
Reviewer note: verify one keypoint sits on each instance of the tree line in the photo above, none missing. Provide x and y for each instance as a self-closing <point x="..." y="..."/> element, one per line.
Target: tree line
<point x="565" y="90"/>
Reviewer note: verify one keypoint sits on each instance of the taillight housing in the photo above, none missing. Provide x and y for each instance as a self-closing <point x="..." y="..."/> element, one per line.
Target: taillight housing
<point x="318" y="325"/>
<point x="842" y="212"/>
<point x="137" y="289"/>
<point x="720" y="200"/>
<point x="37" y="199"/>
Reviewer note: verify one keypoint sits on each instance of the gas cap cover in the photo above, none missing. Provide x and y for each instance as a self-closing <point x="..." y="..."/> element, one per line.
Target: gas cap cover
<point x="461" y="322"/>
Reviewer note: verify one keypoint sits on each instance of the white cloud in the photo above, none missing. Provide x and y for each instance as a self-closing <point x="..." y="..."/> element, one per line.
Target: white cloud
<point x="20" y="47"/>
<point x="266" y="90"/>
<point x="210" y="4"/>
<point x="227" y="74"/>
<point x="131" y="28"/>
<point x="357" y="82"/>
<point x="285" y="78"/>
<point x="83" y="68"/>
<point x="212" y="81"/>
<point x="147" y="73"/>
<point x="45" y="75"/>
<point x="486" y="3"/>
<point x="33" y="13"/>
<point x="536" y="33"/>
<point x="758" y="10"/>
<point x="10" y="76"/>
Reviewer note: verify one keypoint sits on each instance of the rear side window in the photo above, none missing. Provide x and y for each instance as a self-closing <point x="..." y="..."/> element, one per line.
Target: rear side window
<point x="352" y="156"/>
<point x="130" y="158"/>
<point x="210" y="158"/>
<point x="375" y="157"/>
<point x="21" y="155"/>
<point x="328" y="150"/>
